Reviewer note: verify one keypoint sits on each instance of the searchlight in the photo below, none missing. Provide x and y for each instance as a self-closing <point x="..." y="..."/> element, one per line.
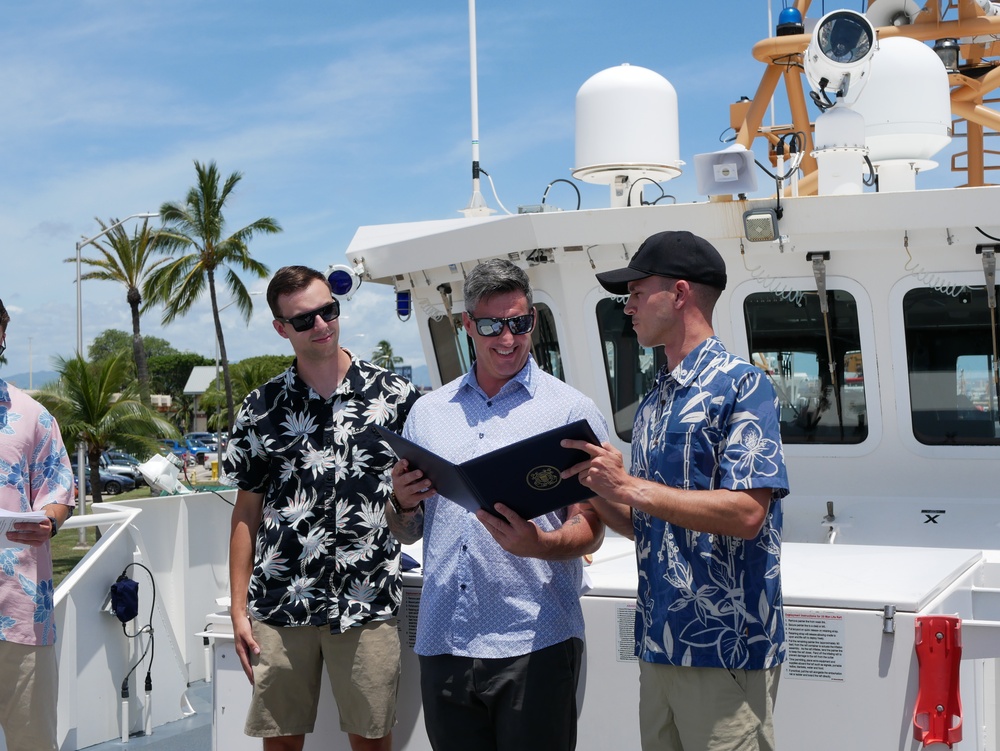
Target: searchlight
<point x="838" y="58"/>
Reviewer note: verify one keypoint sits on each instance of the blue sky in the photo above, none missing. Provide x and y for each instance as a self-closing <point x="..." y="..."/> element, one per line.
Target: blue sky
<point x="338" y="115"/>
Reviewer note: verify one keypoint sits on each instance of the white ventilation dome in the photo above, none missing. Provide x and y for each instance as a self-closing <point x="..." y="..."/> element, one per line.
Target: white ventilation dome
<point x="906" y="104"/>
<point x="627" y="127"/>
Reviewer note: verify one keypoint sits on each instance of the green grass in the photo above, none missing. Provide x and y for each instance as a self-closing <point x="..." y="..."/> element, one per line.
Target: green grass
<point x="64" y="554"/>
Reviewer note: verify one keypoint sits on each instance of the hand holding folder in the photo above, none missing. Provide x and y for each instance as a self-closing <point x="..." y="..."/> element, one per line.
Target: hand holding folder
<point x="523" y="476"/>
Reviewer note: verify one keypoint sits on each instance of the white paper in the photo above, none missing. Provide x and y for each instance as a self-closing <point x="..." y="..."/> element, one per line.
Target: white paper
<point x="9" y="518"/>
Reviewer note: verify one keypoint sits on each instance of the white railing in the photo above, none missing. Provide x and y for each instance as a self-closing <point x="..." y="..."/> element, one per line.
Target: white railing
<point x="183" y="540"/>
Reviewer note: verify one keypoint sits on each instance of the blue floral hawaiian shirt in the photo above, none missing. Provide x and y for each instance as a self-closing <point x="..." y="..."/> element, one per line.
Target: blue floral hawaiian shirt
<point x="34" y="472"/>
<point x="709" y="600"/>
<point x="324" y="555"/>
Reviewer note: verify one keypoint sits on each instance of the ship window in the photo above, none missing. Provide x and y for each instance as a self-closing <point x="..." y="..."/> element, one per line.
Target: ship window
<point x="454" y="352"/>
<point x="794" y="343"/>
<point x="949" y="358"/>
<point x="630" y="368"/>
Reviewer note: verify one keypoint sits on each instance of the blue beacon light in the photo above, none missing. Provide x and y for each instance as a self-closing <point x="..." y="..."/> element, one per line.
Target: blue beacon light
<point x="790" y="22"/>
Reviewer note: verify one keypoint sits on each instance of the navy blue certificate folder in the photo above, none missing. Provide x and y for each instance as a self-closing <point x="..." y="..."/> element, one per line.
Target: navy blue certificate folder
<point x="523" y="476"/>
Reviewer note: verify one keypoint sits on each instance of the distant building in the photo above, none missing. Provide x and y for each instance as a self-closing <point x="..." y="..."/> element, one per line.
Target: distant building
<point x="201" y="378"/>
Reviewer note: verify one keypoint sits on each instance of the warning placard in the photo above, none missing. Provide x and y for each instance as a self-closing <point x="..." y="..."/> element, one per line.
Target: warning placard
<point x="625" y="617"/>
<point x="815" y="646"/>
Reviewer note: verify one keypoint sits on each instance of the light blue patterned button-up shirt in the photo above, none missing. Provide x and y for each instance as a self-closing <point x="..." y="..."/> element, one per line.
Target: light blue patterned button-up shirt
<point x="479" y="600"/>
<point x="710" y="600"/>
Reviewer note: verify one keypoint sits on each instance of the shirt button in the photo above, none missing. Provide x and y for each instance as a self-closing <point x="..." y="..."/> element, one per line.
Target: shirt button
<point x="462" y="587"/>
<point x="489" y="404"/>
<point x="465" y="547"/>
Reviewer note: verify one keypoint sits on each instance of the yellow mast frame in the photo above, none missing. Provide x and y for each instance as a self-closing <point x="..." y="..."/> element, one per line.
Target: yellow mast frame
<point x="970" y="88"/>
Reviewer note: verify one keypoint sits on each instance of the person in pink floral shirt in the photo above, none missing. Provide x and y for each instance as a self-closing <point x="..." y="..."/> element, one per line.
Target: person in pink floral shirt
<point x="35" y="475"/>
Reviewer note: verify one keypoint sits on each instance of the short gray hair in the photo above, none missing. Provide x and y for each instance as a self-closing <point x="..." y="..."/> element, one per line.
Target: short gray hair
<point x="494" y="277"/>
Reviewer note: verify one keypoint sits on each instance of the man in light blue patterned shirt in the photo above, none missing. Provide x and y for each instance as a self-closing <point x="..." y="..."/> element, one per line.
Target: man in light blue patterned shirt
<point x="703" y="503"/>
<point x="500" y="630"/>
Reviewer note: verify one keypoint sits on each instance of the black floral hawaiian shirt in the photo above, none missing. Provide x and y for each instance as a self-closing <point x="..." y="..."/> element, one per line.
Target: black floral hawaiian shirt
<point x="324" y="555"/>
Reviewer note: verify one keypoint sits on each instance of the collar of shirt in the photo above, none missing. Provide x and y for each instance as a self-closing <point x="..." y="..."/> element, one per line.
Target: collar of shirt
<point x="353" y="382"/>
<point x="695" y="362"/>
<point x="526" y="378"/>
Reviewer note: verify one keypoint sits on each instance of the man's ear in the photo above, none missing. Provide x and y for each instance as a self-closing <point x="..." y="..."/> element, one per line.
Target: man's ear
<point x="467" y="324"/>
<point x="280" y="328"/>
<point x="683" y="291"/>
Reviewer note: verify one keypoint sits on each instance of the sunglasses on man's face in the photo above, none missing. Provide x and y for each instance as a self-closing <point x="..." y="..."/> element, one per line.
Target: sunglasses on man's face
<point x="494" y="326"/>
<point x="305" y="321"/>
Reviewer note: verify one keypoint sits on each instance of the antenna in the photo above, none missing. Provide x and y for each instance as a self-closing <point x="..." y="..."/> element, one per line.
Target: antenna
<point x="477" y="204"/>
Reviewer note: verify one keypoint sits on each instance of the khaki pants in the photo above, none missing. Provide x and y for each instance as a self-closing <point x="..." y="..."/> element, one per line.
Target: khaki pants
<point x="706" y="709"/>
<point x="29" y="685"/>
<point x="363" y="665"/>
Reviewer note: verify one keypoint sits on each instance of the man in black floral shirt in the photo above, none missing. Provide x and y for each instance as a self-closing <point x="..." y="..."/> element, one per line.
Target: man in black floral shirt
<point x="314" y="571"/>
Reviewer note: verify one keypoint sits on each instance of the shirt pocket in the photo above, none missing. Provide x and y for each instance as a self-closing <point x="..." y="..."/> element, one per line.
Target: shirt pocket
<point x="370" y="451"/>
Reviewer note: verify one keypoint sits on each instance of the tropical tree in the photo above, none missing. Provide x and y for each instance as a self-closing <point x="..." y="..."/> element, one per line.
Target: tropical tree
<point x="197" y="230"/>
<point x="383" y="356"/>
<point x="87" y="403"/>
<point x="113" y="342"/>
<point x="128" y="261"/>
<point x="182" y="411"/>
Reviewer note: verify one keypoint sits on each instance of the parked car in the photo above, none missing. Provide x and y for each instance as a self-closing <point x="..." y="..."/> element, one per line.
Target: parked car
<point x="185" y="449"/>
<point x="206" y="439"/>
<point x="111" y="484"/>
<point x="120" y="463"/>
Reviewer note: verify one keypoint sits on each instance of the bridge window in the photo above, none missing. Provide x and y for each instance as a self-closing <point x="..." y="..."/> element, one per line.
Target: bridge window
<point x="950" y="354"/>
<point x="814" y="361"/>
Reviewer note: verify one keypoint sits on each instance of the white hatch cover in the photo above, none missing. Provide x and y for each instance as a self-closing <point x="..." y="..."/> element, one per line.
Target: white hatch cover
<point x="868" y="577"/>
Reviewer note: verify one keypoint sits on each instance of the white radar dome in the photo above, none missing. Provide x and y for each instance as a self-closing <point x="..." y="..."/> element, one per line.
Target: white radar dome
<point x="906" y="104"/>
<point x="627" y="125"/>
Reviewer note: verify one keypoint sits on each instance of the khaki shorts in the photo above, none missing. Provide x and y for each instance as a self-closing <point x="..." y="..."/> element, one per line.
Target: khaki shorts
<point x="28" y="696"/>
<point x="363" y="665"/>
<point x="710" y="709"/>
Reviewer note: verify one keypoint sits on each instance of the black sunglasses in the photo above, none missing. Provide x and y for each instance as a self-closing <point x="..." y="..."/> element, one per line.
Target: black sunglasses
<point x="305" y="321"/>
<point x="494" y="326"/>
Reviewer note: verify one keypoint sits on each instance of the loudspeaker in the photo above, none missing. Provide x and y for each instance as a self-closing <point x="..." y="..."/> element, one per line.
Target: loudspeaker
<point x="726" y="172"/>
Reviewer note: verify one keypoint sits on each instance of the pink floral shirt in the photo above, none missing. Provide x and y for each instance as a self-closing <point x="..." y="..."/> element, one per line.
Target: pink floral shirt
<point x="34" y="472"/>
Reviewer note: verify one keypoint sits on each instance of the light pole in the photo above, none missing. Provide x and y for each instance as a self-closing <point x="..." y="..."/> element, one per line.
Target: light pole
<point x="80" y="451"/>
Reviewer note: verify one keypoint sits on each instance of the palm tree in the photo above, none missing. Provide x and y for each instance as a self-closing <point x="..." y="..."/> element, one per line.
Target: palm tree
<point x="383" y="357"/>
<point x="129" y="262"/>
<point x="197" y="228"/>
<point x="89" y="407"/>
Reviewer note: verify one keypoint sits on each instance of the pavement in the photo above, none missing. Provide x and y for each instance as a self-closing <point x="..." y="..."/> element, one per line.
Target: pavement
<point x="199" y="474"/>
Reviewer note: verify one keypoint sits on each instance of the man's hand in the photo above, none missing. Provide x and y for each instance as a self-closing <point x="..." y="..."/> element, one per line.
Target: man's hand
<point x="604" y="472"/>
<point x="31" y="533"/>
<point x="515" y="535"/>
<point x="245" y="644"/>
<point x="410" y="487"/>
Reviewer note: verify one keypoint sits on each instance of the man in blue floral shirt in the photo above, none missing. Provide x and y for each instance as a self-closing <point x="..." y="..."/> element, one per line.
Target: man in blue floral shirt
<point x="703" y="503"/>
<point x="314" y="571"/>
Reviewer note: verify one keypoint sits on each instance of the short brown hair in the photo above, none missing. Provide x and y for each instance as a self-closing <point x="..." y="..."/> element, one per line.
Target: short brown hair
<point x="289" y="279"/>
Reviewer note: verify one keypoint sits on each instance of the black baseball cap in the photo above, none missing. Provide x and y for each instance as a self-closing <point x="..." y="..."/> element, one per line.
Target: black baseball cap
<point x="679" y="255"/>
